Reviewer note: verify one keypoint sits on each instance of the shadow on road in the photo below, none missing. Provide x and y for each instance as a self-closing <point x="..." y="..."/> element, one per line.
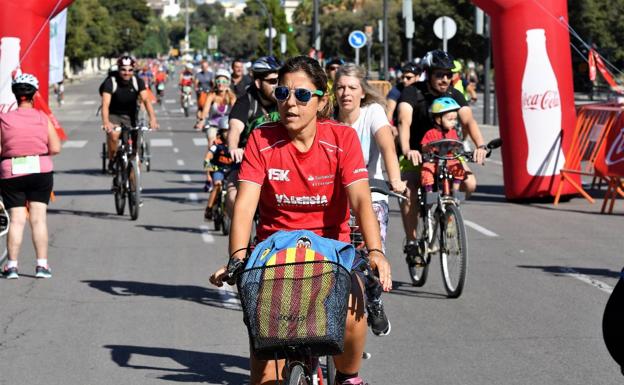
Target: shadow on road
<point x="406" y="289"/>
<point x="193" y="230"/>
<point x="198" y="367"/>
<point x="198" y="294"/>
<point x="489" y="193"/>
<point x="558" y="270"/>
<point x="90" y="214"/>
<point x="84" y="171"/>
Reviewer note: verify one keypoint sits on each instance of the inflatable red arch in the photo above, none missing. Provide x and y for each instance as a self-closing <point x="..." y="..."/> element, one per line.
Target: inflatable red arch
<point x="533" y="80"/>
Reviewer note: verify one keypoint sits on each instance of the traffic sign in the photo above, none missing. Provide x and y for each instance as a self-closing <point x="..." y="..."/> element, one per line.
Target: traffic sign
<point x="357" y="39"/>
<point x="272" y="32"/>
<point x="444" y="27"/>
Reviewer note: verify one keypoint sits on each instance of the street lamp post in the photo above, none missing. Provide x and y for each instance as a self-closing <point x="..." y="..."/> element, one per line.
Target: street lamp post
<point x="187" y="27"/>
<point x="270" y="21"/>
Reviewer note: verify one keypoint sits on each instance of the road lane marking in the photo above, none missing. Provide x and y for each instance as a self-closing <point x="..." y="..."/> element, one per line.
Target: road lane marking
<point x="170" y="101"/>
<point x="480" y="229"/>
<point x="180" y="162"/>
<point x="176" y="150"/>
<point x="200" y="141"/>
<point x="89" y="102"/>
<point x="161" y="142"/>
<point x="75" y="144"/>
<point x="570" y="272"/>
<point x="497" y="162"/>
<point x="206" y="236"/>
<point x="193" y="197"/>
<point x="186" y="178"/>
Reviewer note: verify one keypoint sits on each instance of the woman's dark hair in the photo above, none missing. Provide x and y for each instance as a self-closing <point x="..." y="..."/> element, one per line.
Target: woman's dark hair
<point x="317" y="76"/>
<point x="23" y="92"/>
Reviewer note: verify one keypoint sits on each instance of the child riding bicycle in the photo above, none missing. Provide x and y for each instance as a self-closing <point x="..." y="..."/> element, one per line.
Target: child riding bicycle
<point x="444" y="114"/>
<point x="217" y="163"/>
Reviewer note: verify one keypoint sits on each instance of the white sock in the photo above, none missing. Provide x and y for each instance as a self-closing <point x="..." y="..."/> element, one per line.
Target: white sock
<point x="42" y="262"/>
<point x="11" y="264"/>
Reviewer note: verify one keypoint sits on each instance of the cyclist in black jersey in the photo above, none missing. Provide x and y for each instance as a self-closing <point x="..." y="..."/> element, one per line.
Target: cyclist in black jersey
<point x="256" y="107"/>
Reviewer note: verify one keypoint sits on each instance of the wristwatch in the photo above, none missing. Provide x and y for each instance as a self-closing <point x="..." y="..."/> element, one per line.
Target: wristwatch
<point x="483" y="146"/>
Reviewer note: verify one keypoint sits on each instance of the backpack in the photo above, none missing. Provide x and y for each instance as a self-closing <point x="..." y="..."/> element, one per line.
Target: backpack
<point x="135" y="84"/>
<point x="268" y="252"/>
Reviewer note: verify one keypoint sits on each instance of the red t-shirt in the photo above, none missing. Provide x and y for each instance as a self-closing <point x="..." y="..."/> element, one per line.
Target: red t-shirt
<point x="437" y="134"/>
<point x="304" y="190"/>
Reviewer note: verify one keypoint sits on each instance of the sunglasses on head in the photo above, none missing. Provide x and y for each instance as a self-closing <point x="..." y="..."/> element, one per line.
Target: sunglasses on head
<point x="222" y="81"/>
<point x="282" y="93"/>
<point x="271" y="81"/>
<point x="441" y="74"/>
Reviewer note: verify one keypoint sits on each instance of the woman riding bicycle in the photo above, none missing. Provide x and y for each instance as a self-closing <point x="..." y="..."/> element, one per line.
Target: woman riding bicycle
<point x="361" y="107"/>
<point x="218" y="105"/>
<point x="304" y="172"/>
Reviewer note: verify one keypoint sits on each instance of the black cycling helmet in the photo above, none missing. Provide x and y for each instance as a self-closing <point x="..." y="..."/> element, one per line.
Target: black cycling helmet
<point x="333" y="61"/>
<point x="438" y="59"/>
<point x="125" y="61"/>
<point x="265" y="65"/>
<point x="413" y="68"/>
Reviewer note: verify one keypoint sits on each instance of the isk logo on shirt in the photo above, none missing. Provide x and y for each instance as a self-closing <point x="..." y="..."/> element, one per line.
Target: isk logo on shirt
<point x="283" y="199"/>
<point x="278" y="175"/>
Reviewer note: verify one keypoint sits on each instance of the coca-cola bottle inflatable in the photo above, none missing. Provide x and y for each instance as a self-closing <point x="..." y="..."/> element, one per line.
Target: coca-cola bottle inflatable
<point x="541" y="109"/>
<point x="9" y="62"/>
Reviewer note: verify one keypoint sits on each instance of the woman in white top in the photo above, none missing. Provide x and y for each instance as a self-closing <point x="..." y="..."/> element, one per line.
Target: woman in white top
<point x="361" y="107"/>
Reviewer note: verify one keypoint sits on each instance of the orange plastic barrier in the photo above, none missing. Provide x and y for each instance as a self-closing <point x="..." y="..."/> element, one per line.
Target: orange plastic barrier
<point x="593" y="124"/>
<point x="610" y="164"/>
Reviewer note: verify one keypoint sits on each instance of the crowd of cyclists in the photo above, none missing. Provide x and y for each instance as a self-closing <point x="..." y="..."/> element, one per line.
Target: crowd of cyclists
<point x="290" y="142"/>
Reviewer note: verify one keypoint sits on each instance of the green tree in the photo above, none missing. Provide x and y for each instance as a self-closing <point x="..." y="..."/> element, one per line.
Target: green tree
<point x="130" y="19"/>
<point x="278" y="18"/>
<point x="90" y="32"/>
<point x="207" y="15"/>
<point x="157" y="40"/>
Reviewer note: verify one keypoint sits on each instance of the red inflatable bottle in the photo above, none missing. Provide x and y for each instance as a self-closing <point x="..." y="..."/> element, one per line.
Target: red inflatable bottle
<point x="534" y="91"/>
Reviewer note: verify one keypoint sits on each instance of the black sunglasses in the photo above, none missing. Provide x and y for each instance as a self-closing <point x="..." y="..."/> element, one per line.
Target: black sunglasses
<point x="282" y="93"/>
<point x="271" y="81"/>
<point x="441" y="74"/>
<point x="408" y="78"/>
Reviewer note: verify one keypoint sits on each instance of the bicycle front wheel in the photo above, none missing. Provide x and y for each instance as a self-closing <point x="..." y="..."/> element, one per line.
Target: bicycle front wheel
<point x="134" y="190"/>
<point x="119" y="187"/>
<point x="419" y="273"/>
<point x="331" y="371"/>
<point x="453" y="251"/>
<point x="297" y="376"/>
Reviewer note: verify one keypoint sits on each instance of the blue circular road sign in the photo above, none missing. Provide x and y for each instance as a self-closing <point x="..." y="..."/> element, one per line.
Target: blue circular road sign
<point x="357" y="39"/>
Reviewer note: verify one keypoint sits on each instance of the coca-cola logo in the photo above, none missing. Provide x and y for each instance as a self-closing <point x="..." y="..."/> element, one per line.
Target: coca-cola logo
<point x="616" y="152"/>
<point x="541" y="101"/>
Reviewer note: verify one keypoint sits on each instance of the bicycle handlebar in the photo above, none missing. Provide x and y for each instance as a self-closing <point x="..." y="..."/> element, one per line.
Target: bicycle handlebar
<point x="381" y="186"/>
<point x="457" y="147"/>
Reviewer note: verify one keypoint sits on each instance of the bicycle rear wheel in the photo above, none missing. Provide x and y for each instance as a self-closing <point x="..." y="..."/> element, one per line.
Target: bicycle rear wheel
<point x="119" y="187"/>
<point x="104" y="157"/>
<point x="297" y="376"/>
<point x="134" y="190"/>
<point x="453" y="251"/>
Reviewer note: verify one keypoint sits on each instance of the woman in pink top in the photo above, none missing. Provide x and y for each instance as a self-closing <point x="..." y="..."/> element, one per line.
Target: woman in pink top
<point x="27" y="142"/>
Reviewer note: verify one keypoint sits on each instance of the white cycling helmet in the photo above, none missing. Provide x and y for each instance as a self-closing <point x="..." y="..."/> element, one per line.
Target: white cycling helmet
<point x="26" y="79"/>
<point x="189" y="66"/>
<point x="223" y="73"/>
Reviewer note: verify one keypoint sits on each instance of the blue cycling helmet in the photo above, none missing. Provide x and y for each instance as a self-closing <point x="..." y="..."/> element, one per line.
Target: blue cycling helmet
<point x="444" y="105"/>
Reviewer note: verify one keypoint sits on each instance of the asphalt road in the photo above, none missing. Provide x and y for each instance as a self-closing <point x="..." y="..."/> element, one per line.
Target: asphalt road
<point x="130" y="303"/>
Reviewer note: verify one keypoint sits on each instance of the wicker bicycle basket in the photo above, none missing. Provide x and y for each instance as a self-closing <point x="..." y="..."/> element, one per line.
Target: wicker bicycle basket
<point x="295" y="305"/>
